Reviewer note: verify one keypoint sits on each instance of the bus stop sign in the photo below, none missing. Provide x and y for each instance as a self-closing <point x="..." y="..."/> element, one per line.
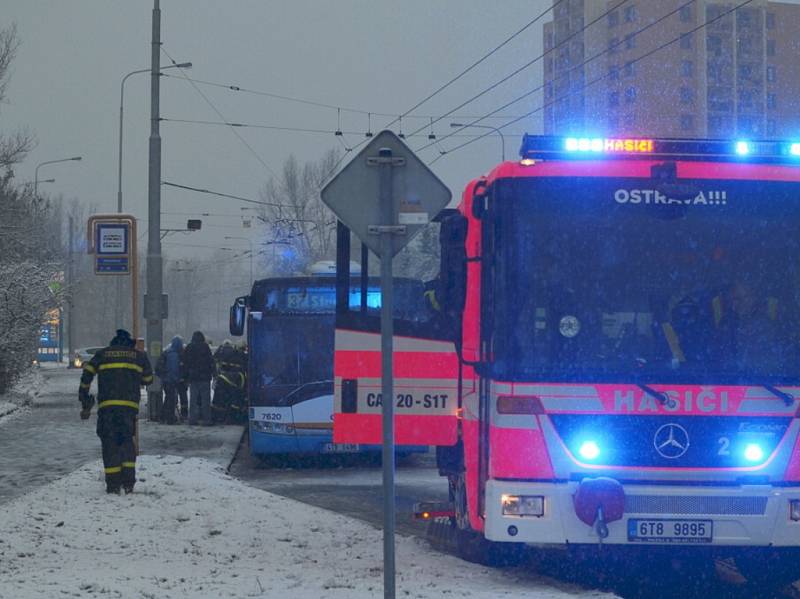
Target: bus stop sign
<point x="417" y="194"/>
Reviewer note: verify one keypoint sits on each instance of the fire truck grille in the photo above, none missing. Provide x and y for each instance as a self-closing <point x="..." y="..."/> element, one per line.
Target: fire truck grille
<point x="697" y="504"/>
<point x="675" y="442"/>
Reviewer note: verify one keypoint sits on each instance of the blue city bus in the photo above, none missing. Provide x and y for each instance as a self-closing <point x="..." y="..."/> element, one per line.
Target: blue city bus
<point x="290" y="336"/>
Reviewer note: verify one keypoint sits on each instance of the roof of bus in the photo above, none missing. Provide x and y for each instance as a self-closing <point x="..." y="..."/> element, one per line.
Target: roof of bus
<point x="320" y="281"/>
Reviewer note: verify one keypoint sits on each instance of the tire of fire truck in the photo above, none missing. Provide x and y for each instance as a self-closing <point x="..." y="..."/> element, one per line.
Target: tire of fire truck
<point x="769" y="570"/>
<point x="471" y="545"/>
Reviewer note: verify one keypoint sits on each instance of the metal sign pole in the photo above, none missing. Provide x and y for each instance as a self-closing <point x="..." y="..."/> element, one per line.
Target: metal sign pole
<point x="387" y="331"/>
<point x="399" y="214"/>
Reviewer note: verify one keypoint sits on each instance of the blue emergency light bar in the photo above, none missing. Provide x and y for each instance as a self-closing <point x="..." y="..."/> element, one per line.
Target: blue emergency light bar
<point x="554" y="147"/>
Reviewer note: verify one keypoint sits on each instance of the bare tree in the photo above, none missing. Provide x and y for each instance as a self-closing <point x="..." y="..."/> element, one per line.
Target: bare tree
<point x="13" y="146"/>
<point x="300" y="229"/>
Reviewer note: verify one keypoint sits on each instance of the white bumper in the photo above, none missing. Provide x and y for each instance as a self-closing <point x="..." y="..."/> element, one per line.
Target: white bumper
<point x="754" y="516"/>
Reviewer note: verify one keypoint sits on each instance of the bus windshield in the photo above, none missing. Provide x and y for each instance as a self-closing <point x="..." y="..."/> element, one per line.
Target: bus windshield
<point x="621" y="280"/>
<point x="292" y="338"/>
<point x="289" y="351"/>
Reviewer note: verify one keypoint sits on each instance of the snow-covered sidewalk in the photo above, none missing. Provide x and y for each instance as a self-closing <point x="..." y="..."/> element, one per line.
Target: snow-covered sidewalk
<point x="22" y="393"/>
<point x="190" y="530"/>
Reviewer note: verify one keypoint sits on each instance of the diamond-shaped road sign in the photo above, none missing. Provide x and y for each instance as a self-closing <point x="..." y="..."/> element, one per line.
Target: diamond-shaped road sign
<point x="417" y="194"/>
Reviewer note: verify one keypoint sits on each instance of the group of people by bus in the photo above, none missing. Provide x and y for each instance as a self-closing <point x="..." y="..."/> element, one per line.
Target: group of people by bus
<point x="187" y="373"/>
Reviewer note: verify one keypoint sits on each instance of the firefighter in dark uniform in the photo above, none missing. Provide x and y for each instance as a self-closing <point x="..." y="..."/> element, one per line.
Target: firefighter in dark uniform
<point x="229" y="384"/>
<point x="121" y="370"/>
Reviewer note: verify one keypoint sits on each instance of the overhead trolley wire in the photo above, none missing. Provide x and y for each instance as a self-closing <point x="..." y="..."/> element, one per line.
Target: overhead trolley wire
<point x="600" y="78"/>
<point x="490" y="53"/>
<point x="368" y="113"/>
<point x="226" y="195"/>
<point x="530" y="92"/>
<point x="528" y="64"/>
<point x="290" y="129"/>
<point x="222" y="117"/>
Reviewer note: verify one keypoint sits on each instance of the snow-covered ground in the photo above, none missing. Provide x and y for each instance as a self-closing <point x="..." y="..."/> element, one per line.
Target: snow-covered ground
<point x="190" y="530"/>
<point x="22" y="394"/>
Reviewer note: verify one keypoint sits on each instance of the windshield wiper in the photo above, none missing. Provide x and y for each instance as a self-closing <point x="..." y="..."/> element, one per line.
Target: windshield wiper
<point x="787" y="398"/>
<point x="663" y="398"/>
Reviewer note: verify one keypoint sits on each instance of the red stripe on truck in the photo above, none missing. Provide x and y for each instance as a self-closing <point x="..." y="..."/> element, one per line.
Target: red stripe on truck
<point x="414" y="365"/>
<point x="408" y="430"/>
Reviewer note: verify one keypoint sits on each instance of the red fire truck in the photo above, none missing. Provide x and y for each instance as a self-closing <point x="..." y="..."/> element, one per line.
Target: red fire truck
<point x="611" y="351"/>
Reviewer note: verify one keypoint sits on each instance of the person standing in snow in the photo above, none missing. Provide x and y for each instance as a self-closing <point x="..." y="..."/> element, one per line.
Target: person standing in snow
<point x="121" y="370"/>
<point x="198" y="369"/>
<point x="169" y="369"/>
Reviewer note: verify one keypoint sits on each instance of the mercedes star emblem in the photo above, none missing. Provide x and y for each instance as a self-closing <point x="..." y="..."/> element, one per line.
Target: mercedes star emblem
<point x="671" y="441"/>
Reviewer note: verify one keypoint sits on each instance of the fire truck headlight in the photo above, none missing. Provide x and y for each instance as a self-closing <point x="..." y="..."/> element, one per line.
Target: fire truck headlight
<point x="753" y="452"/>
<point x="589" y="450"/>
<point x="523" y="505"/>
<point x="794" y="509"/>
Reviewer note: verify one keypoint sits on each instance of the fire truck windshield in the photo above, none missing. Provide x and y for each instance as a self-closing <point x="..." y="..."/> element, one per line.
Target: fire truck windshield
<point x="615" y="280"/>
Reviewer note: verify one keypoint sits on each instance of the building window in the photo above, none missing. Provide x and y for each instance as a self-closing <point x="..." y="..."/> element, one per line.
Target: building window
<point x="630" y="69"/>
<point x="548" y="89"/>
<point x="687" y="122"/>
<point x="687" y="68"/>
<point x="613" y="99"/>
<point x="770" y="20"/>
<point x="613" y="72"/>
<point x="630" y="41"/>
<point x="613" y="18"/>
<point x="745" y="98"/>
<point x="745" y="46"/>
<point x="548" y="40"/>
<point x="687" y="95"/>
<point x="771" y="74"/>
<point x="630" y="14"/>
<point x="770" y="47"/>
<point x="686" y="14"/>
<point x="630" y="95"/>
<point x="772" y="101"/>
<point x="743" y="18"/>
<point x="686" y="41"/>
<point x="613" y="44"/>
<point x="714" y="45"/>
<point x="772" y="128"/>
<point x="745" y="72"/>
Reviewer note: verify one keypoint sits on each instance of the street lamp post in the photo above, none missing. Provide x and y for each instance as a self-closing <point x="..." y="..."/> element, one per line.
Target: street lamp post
<point x="41" y="164"/>
<point x="69" y="263"/>
<point x="495" y="129"/>
<point x="182" y="65"/>
<point x="250" y="241"/>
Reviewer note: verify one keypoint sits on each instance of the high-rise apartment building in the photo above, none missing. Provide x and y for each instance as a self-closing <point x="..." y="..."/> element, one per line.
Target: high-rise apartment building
<point x="736" y="76"/>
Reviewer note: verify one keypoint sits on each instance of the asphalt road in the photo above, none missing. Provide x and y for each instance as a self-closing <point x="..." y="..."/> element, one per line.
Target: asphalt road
<point x="48" y="439"/>
<point x="348" y="485"/>
<point x="354" y="487"/>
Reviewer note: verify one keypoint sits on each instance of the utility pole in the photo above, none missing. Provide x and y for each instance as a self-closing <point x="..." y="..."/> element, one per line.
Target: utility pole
<point x="70" y="290"/>
<point x="154" y="304"/>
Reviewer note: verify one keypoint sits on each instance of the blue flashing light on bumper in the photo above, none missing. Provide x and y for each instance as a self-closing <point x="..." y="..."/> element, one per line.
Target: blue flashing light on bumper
<point x="589" y="450"/>
<point x="753" y="452"/>
<point x="742" y="148"/>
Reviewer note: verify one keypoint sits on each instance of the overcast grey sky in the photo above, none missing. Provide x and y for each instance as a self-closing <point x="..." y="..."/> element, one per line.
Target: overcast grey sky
<point x="372" y="55"/>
